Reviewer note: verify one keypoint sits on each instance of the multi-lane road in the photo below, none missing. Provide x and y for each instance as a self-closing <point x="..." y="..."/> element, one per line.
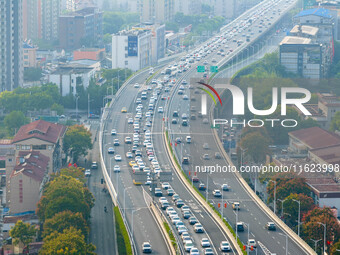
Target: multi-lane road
<point x="133" y="200"/>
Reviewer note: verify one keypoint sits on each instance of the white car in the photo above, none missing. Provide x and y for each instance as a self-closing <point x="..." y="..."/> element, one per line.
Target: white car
<point x="160" y="109"/>
<point x="252" y="242"/>
<point x="129" y="154"/>
<point x="118" y="157"/>
<point x="194" y="251"/>
<point x="205" y="243"/>
<point x="136" y="85"/>
<point x="217" y="193"/>
<point x="165" y="185"/>
<point x="116" y="168"/>
<point x="188" y="246"/>
<point x="225" y="246"/>
<point x="113" y="132"/>
<point x="87" y="173"/>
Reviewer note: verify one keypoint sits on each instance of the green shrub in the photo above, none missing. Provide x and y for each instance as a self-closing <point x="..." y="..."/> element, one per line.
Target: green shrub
<point x="123" y="240"/>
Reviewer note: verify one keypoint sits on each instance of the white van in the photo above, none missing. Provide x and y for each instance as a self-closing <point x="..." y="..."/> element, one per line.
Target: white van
<point x="188" y="139"/>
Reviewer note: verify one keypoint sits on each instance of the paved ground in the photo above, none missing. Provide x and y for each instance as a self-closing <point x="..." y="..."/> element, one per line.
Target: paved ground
<point x="102" y="233"/>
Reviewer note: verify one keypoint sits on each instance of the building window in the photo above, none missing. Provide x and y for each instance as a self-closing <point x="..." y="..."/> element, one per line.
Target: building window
<point x="18" y="147"/>
<point x="50" y="147"/>
<point x="39" y="147"/>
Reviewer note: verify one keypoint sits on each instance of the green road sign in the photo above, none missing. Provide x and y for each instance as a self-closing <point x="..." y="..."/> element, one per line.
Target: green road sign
<point x="200" y="69"/>
<point x="213" y="69"/>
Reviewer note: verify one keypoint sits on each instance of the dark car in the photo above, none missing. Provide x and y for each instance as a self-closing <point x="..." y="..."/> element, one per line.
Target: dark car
<point x="193" y="220"/>
<point x="185" y="123"/>
<point x="179" y="203"/>
<point x="174" y="121"/>
<point x="175" y="114"/>
<point x="185" y="161"/>
<point x="271" y="226"/>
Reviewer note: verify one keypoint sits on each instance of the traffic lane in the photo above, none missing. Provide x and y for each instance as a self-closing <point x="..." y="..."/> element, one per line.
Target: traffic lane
<point x="147" y="229"/>
<point x="216" y="235"/>
<point x="239" y="192"/>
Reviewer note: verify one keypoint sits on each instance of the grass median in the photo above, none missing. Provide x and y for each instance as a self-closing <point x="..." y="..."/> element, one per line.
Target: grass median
<point x="123" y="240"/>
<point x="198" y="192"/>
<point x="171" y="235"/>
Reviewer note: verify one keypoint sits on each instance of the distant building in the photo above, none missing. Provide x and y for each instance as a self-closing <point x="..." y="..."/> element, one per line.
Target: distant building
<point x="324" y="111"/>
<point x="74" y="5"/>
<point x="82" y="27"/>
<point x="89" y="53"/>
<point x="321" y="18"/>
<point x="44" y="137"/>
<point x="69" y="77"/>
<point x="131" y="49"/>
<point x="11" y="58"/>
<point x="31" y="19"/>
<point x="188" y="7"/>
<point x="50" y="11"/>
<point x="304" y="140"/>
<point x="30" y="56"/>
<point x="26" y="181"/>
<point x="156" y="11"/>
<point x="301" y="56"/>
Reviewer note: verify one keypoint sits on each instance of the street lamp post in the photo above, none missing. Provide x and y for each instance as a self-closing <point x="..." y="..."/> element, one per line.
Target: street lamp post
<point x="274" y="195"/>
<point x="111" y="166"/>
<point x="124" y="201"/>
<point x="282" y="201"/>
<point x="248" y="226"/>
<point x="324" y="236"/>
<point x="77" y="97"/>
<point x="207" y="189"/>
<point x="299" y="202"/>
<point x="286" y="242"/>
<point x="315" y="243"/>
<point x="236" y="213"/>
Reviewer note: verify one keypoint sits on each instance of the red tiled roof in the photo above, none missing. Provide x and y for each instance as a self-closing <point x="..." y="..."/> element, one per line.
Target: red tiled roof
<point x="330" y="154"/>
<point x="323" y="184"/>
<point x="40" y="129"/>
<point x="316" y="137"/>
<point x="34" y="165"/>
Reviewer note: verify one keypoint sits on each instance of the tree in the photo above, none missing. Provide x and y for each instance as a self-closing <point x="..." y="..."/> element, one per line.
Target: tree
<point x="65" y="193"/>
<point x="58" y="108"/>
<point x="335" y="247"/>
<point x="286" y="184"/>
<point x="75" y="172"/>
<point x="291" y="208"/>
<point x="335" y="123"/>
<point x="77" y="141"/>
<point x="14" y="121"/>
<point x="22" y="232"/>
<point x="313" y="230"/>
<point x="256" y="145"/>
<point x="64" y="220"/>
<point x="69" y="242"/>
<point x="32" y="74"/>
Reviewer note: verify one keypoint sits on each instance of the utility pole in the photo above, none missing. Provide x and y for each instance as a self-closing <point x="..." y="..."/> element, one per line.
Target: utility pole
<point x="88" y="105"/>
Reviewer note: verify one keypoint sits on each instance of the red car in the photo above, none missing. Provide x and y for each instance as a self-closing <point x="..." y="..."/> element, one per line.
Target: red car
<point x="195" y="179"/>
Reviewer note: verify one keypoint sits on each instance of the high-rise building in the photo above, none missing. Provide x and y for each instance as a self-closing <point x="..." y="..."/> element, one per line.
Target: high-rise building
<point x="188" y="7"/>
<point x="31" y="11"/>
<point x="156" y="11"/>
<point x="11" y="57"/>
<point x="81" y="28"/>
<point x="50" y="11"/>
<point x="74" y="5"/>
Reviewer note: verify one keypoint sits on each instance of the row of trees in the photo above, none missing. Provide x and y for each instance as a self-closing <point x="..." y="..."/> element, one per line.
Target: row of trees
<point x="64" y="209"/>
<point x="48" y="95"/>
<point x="290" y="187"/>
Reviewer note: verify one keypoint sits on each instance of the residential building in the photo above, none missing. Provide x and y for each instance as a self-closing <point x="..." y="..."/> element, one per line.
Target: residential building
<point x="305" y="32"/>
<point x="31" y="19"/>
<point x="50" y="11"/>
<point x="188" y="7"/>
<point x="156" y="11"/>
<point x="324" y="111"/>
<point x="305" y="57"/>
<point x="11" y="58"/>
<point x="82" y="27"/>
<point x="89" y="53"/>
<point x="131" y="49"/>
<point x="69" y="77"/>
<point x="74" y="5"/>
<point x="26" y="181"/>
<point x="44" y="137"/>
<point x="321" y="18"/>
<point x="30" y="55"/>
<point x="303" y="140"/>
<point x="326" y="192"/>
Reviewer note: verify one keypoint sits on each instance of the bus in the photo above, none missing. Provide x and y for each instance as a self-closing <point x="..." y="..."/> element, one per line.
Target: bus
<point x="171" y="71"/>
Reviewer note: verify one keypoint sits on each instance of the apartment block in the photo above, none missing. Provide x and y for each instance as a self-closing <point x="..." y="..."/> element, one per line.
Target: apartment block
<point x="81" y="27"/>
<point x="30" y="55"/>
<point x="11" y="58"/>
<point x="188" y="7"/>
<point x="156" y="11"/>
